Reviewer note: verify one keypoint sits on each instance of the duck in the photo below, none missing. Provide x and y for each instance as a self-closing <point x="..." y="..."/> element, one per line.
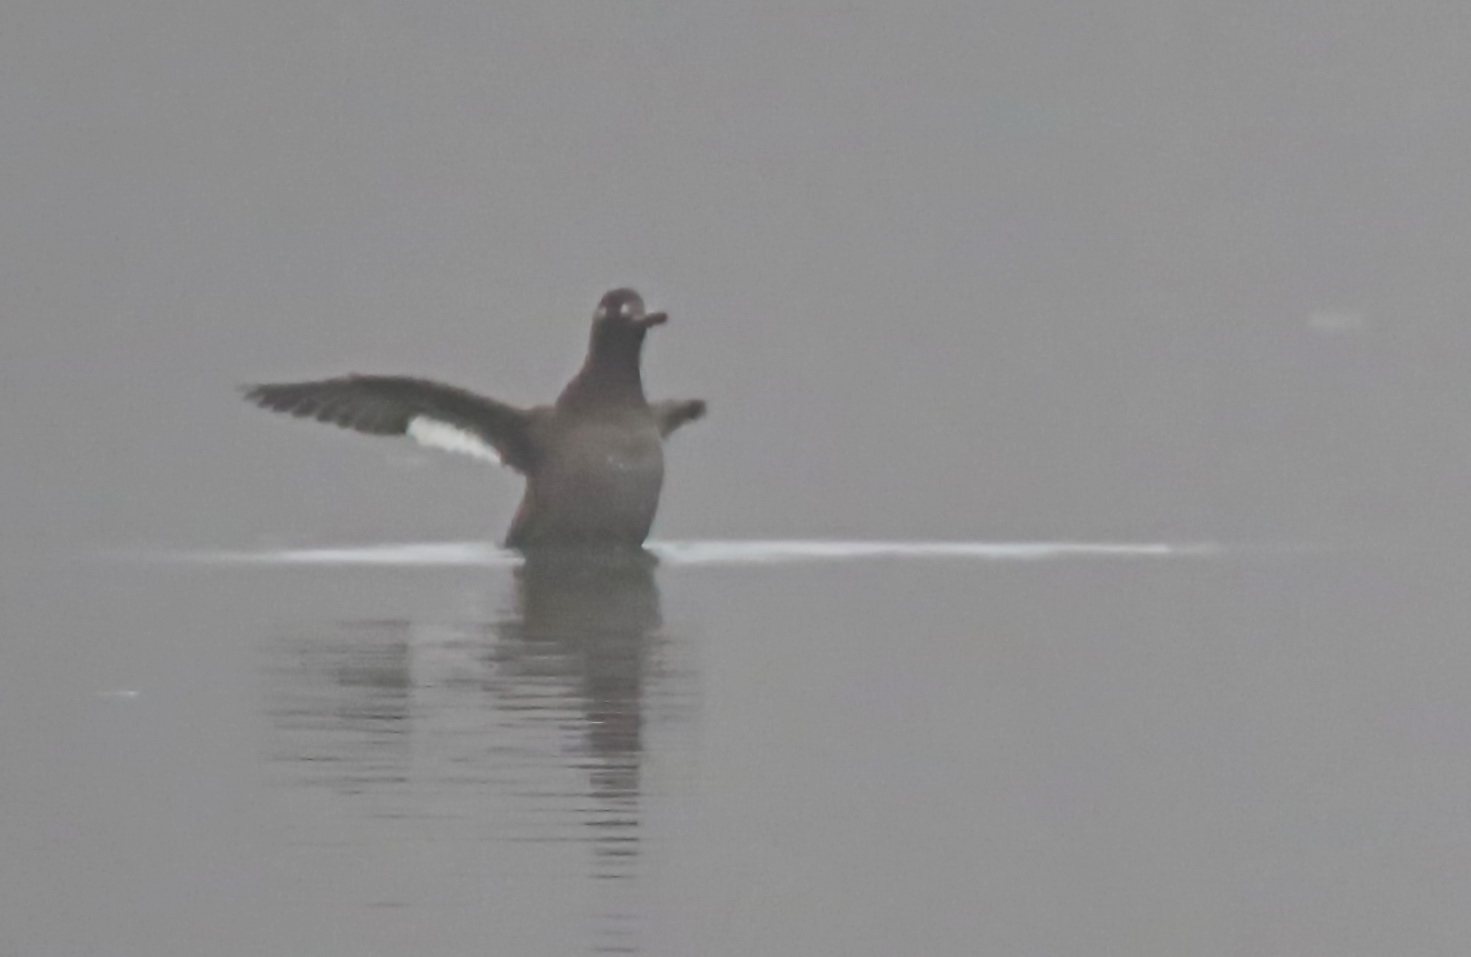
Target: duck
<point x="593" y="459"/>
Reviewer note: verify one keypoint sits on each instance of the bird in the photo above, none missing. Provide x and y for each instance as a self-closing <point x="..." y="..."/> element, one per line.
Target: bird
<point x="593" y="460"/>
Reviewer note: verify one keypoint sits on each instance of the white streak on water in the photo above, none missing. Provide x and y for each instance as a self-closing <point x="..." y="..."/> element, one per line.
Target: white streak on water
<point x="764" y="552"/>
<point x="695" y="553"/>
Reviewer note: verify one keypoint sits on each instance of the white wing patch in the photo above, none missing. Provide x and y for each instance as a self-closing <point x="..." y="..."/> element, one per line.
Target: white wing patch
<point x="434" y="434"/>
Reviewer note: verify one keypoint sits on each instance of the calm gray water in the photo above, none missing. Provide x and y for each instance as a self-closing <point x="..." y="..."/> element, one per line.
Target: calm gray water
<point x="1056" y="752"/>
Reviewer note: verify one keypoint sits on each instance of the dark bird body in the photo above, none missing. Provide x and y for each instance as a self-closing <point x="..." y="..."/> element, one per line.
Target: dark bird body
<point x="593" y="460"/>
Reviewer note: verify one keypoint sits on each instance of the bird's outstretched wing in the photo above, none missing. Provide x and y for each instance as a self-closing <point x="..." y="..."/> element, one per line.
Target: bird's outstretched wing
<point x="433" y="414"/>
<point x="672" y="413"/>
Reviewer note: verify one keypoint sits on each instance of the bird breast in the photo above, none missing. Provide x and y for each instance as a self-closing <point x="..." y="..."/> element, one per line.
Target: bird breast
<point x="610" y="467"/>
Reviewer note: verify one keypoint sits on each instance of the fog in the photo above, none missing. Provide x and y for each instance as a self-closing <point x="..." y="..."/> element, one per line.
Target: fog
<point x="1136" y="275"/>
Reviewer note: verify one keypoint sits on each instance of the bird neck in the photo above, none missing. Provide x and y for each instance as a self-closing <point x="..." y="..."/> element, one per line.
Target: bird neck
<point x="609" y="376"/>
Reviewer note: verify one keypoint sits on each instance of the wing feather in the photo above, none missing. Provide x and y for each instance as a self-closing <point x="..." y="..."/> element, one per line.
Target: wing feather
<point x="438" y="415"/>
<point x="672" y="413"/>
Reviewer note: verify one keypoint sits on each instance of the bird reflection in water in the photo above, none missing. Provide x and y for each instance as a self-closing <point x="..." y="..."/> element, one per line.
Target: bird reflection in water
<point x="589" y="620"/>
<point x="486" y="728"/>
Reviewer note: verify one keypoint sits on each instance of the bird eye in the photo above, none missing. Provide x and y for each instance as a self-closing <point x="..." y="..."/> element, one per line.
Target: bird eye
<point x="626" y="310"/>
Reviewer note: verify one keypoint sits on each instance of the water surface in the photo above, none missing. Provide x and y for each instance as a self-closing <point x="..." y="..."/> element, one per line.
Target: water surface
<point x="746" y="748"/>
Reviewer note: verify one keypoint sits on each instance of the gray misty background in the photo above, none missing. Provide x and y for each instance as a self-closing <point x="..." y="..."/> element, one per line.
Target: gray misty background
<point x="961" y="270"/>
<point x="1138" y="271"/>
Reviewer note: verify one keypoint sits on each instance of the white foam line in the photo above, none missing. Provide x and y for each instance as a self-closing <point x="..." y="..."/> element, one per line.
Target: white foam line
<point x="693" y="553"/>
<point x="763" y="552"/>
<point x="427" y="554"/>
